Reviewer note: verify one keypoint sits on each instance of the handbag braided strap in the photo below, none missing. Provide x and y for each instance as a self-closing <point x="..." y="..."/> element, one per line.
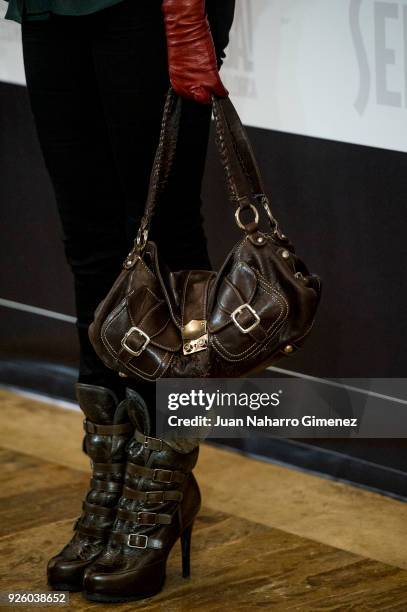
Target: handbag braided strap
<point x="163" y="162"/>
<point x="243" y="177"/>
<point x="236" y="146"/>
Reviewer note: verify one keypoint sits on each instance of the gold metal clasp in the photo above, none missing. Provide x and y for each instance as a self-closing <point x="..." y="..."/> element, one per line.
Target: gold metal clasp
<point x="194" y="336"/>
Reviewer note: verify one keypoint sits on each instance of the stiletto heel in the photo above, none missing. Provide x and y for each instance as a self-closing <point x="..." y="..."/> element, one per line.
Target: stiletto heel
<point x="186" y="551"/>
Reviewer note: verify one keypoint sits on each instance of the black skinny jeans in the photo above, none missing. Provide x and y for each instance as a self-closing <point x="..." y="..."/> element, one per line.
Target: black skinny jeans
<point x="97" y="87"/>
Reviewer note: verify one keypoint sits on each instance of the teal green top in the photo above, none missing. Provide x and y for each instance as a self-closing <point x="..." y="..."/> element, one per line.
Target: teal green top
<point x="41" y="9"/>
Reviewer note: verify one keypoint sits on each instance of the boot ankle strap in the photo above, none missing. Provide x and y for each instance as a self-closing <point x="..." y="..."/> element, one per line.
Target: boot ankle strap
<point x="154" y="444"/>
<point x="107" y="430"/>
<point x="108" y="468"/>
<point x="106" y="485"/>
<point x="143" y="517"/>
<point x="157" y="474"/>
<point x="136" y="540"/>
<point x="152" y="497"/>
<point x="99" y="510"/>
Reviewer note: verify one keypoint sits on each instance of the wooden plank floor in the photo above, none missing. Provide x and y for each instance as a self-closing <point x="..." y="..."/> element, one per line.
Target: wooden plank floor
<point x="268" y="538"/>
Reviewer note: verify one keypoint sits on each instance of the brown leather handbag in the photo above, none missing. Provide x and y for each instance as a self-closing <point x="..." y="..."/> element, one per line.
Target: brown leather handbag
<point x="196" y="323"/>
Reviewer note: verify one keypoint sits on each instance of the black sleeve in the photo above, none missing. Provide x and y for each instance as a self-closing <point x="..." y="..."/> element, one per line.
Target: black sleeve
<point x="220" y="15"/>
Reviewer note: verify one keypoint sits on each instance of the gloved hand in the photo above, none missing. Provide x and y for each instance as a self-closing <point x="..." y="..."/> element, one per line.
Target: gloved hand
<point x="191" y="52"/>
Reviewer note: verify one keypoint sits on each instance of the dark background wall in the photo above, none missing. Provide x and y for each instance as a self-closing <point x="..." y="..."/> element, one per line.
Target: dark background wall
<point x="342" y="205"/>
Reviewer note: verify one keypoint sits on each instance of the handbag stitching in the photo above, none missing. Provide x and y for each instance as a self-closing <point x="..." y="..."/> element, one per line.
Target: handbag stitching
<point x="146" y="267"/>
<point x="175" y="316"/>
<point x="234" y="252"/>
<point x="115" y="355"/>
<point x="258" y="278"/>
<point x="108" y="322"/>
<point x="141" y="305"/>
<point x="237" y="293"/>
<point x="157" y="333"/>
<point x="148" y="313"/>
<point x="153" y="376"/>
<point x="160" y="302"/>
<point x="106" y="342"/>
<point x="252" y="351"/>
<point x="155" y="343"/>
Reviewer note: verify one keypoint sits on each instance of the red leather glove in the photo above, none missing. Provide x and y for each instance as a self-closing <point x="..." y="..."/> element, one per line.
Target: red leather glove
<point x="191" y="52"/>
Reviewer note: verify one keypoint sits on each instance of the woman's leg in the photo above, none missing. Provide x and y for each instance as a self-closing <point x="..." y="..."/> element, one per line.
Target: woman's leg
<point x="130" y="62"/>
<point x="75" y="144"/>
<point x="71" y="130"/>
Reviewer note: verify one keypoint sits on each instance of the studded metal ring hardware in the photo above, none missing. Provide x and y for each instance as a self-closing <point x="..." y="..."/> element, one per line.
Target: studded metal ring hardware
<point x="237" y="216"/>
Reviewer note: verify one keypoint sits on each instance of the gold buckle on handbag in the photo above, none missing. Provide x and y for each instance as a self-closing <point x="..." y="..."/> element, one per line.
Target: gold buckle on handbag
<point x="240" y="309"/>
<point x="142" y="334"/>
<point x="194" y="336"/>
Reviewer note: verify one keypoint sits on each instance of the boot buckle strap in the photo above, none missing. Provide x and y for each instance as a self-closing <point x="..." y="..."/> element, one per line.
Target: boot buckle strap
<point x="107" y="468"/>
<point x="147" y="518"/>
<point x="160" y="497"/>
<point x="164" y="476"/>
<point x="109" y="486"/>
<point x="149" y="442"/>
<point x="140" y="540"/>
<point x="155" y="474"/>
<point x="154" y="497"/>
<point x="119" y="429"/>
<point x="153" y="443"/>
